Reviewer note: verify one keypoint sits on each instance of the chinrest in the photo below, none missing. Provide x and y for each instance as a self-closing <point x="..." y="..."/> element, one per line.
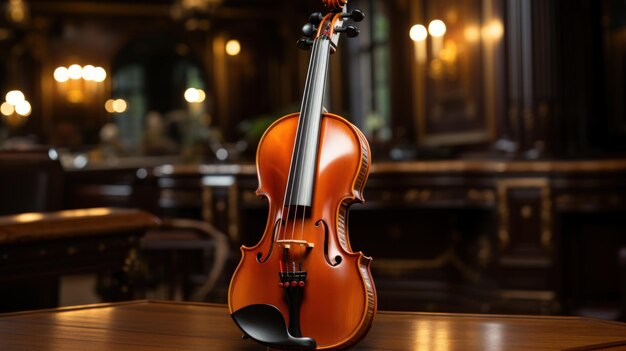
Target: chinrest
<point x="265" y="324"/>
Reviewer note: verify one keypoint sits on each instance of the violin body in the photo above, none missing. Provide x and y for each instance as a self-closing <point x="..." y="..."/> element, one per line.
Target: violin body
<point x="338" y="300"/>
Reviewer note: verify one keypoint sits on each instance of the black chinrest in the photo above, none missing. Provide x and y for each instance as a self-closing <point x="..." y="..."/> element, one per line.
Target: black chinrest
<point x="265" y="324"/>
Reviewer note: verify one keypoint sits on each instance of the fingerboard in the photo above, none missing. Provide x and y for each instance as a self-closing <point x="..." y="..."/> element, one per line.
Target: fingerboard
<point x="301" y="181"/>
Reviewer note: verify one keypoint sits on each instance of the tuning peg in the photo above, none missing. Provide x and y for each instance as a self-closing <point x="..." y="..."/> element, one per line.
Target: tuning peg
<point x="308" y="30"/>
<point x="304" y="43"/>
<point x="350" y="30"/>
<point x="316" y="18"/>
<point x="355" y="15"/>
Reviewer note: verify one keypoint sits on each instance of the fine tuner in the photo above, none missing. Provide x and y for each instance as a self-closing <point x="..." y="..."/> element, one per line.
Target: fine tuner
<point x="311" y="28"/>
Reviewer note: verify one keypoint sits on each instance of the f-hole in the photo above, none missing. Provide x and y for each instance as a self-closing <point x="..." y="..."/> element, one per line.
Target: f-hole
<point x="338" y="258"/>
<point x="269" y="253"/>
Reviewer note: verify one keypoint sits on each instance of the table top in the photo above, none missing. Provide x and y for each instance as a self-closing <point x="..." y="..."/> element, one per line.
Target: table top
<point x="37" y="226"/>
<point x="159" y="325"/>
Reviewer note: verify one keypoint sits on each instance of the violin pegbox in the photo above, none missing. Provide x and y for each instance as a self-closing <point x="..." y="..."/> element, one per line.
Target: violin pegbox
<point x="330" y="25"/>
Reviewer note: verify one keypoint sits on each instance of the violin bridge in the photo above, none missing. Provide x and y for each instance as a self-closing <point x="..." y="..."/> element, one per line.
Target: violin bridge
<point x="287" y="243"/>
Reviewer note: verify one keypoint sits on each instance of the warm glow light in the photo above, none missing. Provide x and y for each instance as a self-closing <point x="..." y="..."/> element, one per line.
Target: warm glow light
<point x="493" y="30"/>
<point x="192" y="95"/>
<point x="13" y="97"/>
<point x="28" y="217"/>
<point x="450" y="52"/>
<point x="75" y="71"/>
<point x="233" y="48"/>
<point x="115" y="106"/>
<point x="119" y="105"/>
<point x="16" y="10"/>
<point x="89" y="72"/>
<point x="7" y="109"/>
<point x="201" y="95"/>
<point x="418" y="33"/>
<point x="99" y="74"/>
<point x="61" y="74"/>
<point x="17" y="14"/>
<point x="472" y="33"/>
<point x="75" y="96"/>
<point x="109" y="106"/>
<point x="98" y="211"/>
<point x="23" y="108"/>
<point x="437" y="28"/>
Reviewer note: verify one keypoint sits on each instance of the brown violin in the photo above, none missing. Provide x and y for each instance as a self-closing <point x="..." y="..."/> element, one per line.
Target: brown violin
<point x="302" y="287"/>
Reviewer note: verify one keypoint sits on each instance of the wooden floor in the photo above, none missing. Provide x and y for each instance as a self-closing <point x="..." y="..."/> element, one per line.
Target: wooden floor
<point x="151" y="325"/>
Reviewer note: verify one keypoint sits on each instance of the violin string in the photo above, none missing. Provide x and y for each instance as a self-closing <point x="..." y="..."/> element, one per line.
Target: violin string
<point x="322" y="58"/>
<point x="315" y="86"/>
<point x="291" y="180"/>
<point x="296" y="150"/>
<point x="282" y="228"/>
<point x="305" y="116"/>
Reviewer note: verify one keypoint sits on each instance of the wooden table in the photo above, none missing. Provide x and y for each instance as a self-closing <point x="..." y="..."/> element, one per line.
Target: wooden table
<point x="38" y="248"/>
<point x="36" y="245"/>
<point x="152" y="325"/>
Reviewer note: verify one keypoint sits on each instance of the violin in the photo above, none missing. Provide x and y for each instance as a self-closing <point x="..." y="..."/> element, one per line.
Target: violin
<point x="301" y="286"/>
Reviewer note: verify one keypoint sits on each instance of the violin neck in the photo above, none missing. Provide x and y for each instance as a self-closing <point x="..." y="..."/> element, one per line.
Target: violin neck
<point x="300" y="184"/>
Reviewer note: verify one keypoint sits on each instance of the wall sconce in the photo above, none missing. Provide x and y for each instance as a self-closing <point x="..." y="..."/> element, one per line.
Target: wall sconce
<point x="418" y="34"/>
<point x="443" y="53"/>
<point x="79" y="83"/>
<point x="15" y="108"/>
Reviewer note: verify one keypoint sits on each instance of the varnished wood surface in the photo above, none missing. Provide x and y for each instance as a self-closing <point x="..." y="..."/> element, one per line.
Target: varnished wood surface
<point x="150" y="325"/>
<point x="27" y="227"/>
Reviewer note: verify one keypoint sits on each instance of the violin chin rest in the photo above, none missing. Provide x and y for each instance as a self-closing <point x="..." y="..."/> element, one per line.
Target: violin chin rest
<point x="265" y="324"/>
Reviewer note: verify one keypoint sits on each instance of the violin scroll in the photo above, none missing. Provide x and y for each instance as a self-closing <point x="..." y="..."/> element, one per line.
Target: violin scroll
<point x="335" y="5"/>
<point x="330" y="25"/>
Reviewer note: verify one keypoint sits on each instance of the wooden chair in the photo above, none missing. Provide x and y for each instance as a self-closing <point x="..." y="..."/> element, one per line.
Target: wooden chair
<point x="192" y="251"/>
<point x="172" y="245"/>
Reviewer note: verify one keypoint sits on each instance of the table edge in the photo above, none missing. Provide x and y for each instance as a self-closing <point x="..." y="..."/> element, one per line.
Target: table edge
<point x="223" y="306"/>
